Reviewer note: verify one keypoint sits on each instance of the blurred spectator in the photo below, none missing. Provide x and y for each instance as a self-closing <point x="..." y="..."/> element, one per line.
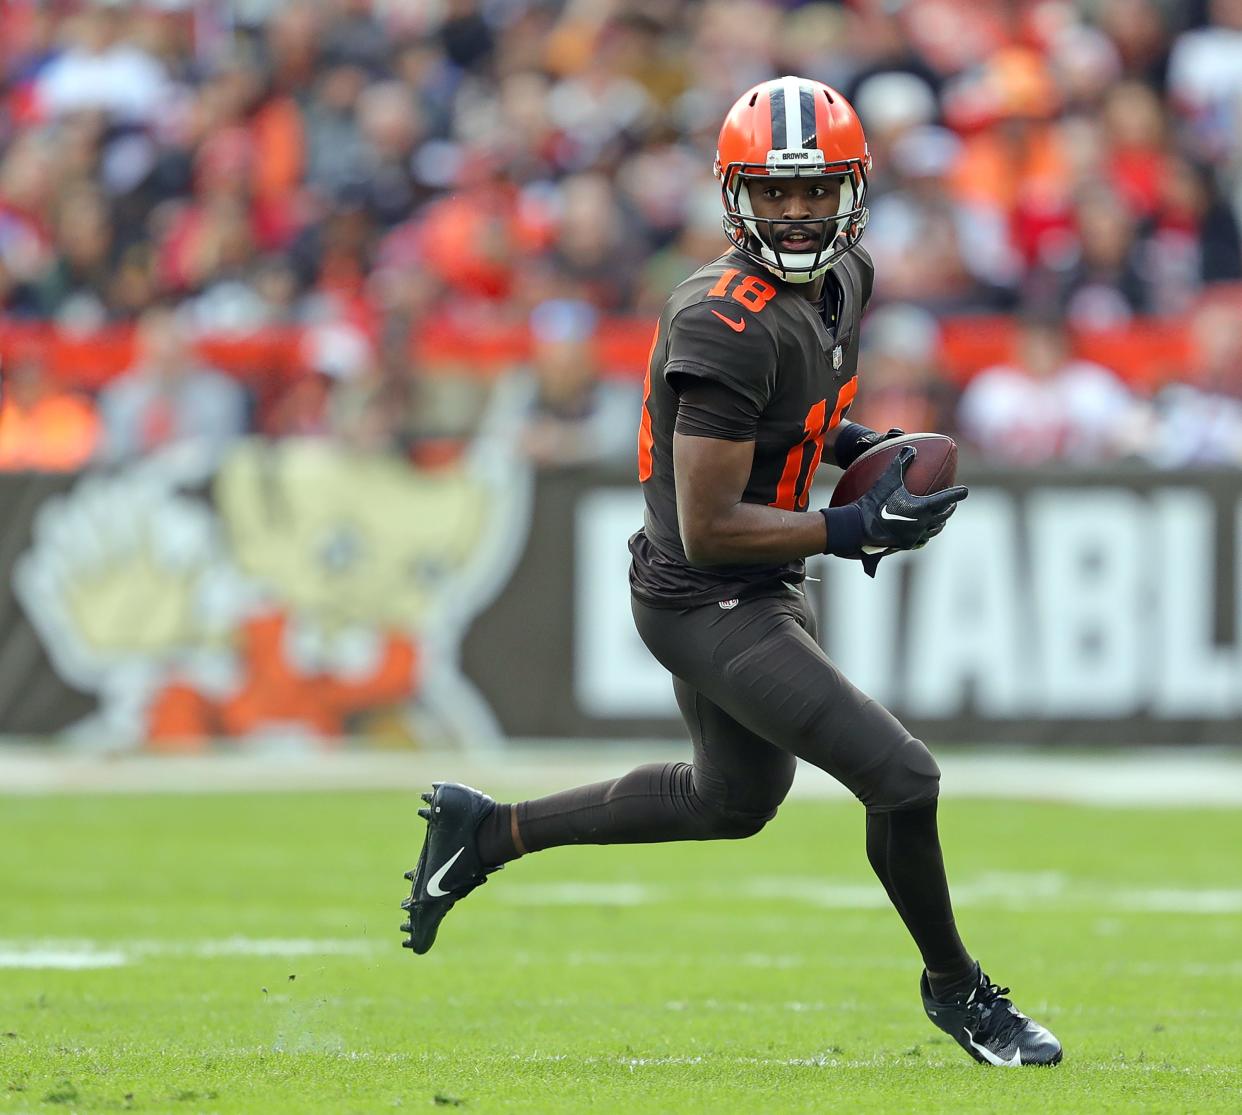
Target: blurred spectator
<point x="574" y="417"/>
<point x="1006" y="109"/>
<point x="1135" y="132"/>
<point x="1085" y="63"/>
<point x="700" y="242"/>
<point x="343" y="395"/>
<point x="103" y="70"/>
<point x="929" y="245"/>
<point x="43" y="428"/>
<point x="1140" y="31"/>
<point x="892" y="104"/>
<point x="335" y="149"/>
<point x="391" y="128"/>
<point x="451" y="166"/>
<point x="78" y="287"/>
<point x="218" y="236"/>
<point x="1199" y="423"/>
<point x="167" y="397"/>
<point x="1097" y="283"/>
<point x="1191" y="240"/>
<point x="1205" y="79"/>
<point x="903" y="383"/>
<point x="472" y="243"/>
<point x="356" y="36"/>
<point x="332" y="354"/>
<point x="1046" y="404"/>
<point x="596" y="253"/>
<point x="25" y="236"/>
<point x="333" y="257"/>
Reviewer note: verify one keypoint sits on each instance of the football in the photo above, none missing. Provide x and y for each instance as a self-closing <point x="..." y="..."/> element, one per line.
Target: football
<point x="933" y="468"/>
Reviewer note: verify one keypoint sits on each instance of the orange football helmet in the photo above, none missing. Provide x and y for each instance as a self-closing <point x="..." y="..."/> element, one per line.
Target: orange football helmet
<point x="793" y="127"/>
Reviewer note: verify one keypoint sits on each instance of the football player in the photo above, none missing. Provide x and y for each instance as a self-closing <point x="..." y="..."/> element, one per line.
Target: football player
<point x="751" y="374"/>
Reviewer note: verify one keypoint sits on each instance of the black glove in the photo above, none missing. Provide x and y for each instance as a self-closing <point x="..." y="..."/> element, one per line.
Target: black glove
<point x="855" y="439"/>
<point x="893" y="518"/>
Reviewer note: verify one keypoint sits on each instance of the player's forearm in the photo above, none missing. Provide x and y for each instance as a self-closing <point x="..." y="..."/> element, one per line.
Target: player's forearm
<point x="751" y="533"/>
<point x="830" y="439"/>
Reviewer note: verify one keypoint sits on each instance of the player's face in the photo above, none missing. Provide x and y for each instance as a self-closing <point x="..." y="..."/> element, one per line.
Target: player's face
<point x="791" y="203"/>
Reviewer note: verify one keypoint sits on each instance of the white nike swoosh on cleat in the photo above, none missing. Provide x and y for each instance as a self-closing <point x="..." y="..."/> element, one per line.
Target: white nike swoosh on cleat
<point x="885" y="513"/>
<point x="433" y="884"/>
<point x="992" y="1058"/>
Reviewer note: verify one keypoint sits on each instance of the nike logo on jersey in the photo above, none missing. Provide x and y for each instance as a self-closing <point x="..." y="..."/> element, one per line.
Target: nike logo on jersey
<point x="885" y="513"/>
<point x="433" y="884"/>
<point x="736" y="326"/>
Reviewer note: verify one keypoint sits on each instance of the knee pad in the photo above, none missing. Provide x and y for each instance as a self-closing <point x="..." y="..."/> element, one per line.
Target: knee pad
<point x="907" y="778"/>
<point x="730" y="811"/>
<point x="731" y="825"/>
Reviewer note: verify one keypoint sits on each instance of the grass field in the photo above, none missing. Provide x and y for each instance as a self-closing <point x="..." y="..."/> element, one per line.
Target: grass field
<point x="240" y="953"/>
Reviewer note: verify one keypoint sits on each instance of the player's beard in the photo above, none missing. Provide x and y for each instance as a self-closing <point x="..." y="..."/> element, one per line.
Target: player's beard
<point x="774" y="235"/>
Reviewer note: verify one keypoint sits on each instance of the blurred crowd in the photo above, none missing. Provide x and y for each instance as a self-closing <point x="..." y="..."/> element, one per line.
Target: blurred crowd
<point x="364" y="170"/>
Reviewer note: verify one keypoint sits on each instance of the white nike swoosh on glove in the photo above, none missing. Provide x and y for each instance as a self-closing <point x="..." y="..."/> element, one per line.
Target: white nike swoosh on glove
<point x="433" y="884"/>
<point x="885" y="513"/>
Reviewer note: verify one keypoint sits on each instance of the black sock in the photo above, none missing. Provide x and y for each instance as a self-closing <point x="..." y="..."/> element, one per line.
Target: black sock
<point x="652" y="804"/>
<point x="904" y="849"/>
<point x="495" y="836"/>
<point x="946" y="986"/>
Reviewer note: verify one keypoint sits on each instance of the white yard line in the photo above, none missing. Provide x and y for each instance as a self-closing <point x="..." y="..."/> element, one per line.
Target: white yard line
<point x="1149" y="777"/>
<point x="1041" y="892"/>
<point x="67" y="957"/>
<point x="1034" y="891"/>
<point x="79" y="953"/>
<point x="583" y="894"/>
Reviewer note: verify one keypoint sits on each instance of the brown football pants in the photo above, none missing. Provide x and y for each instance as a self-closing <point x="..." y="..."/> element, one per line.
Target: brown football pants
<point x="757" y="692"/>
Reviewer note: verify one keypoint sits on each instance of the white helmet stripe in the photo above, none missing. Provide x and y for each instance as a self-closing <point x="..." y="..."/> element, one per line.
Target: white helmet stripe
<point x="793" y="113"/>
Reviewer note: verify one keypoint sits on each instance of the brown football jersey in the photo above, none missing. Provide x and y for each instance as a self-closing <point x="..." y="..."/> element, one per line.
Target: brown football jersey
<point x="738" y="325"/>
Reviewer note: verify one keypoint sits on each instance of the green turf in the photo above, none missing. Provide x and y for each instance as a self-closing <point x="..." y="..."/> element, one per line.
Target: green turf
<point x="756" y="976"/>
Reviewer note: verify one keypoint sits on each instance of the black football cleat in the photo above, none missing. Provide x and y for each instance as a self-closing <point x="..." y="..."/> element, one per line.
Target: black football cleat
<point x="449" y="867"/>
<point x="990" y="1028"/>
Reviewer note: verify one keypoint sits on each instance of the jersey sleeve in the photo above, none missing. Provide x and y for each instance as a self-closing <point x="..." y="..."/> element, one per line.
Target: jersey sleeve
<point x="725" y="343"/>
<point x="709" y="409"/>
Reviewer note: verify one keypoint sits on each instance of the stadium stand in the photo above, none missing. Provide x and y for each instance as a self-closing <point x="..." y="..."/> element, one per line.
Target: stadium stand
<point x="348" y="203"/>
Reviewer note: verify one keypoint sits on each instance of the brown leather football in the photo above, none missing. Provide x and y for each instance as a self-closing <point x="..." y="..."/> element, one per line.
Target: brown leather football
<point x="933" y="469"/>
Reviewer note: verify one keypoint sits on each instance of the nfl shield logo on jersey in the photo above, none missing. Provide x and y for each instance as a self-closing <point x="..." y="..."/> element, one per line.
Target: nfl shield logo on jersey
<point x="838" y="357"/>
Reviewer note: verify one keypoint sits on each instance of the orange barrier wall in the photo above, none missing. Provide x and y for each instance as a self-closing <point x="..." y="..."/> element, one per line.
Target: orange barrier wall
<point x="1145" y="354"/>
